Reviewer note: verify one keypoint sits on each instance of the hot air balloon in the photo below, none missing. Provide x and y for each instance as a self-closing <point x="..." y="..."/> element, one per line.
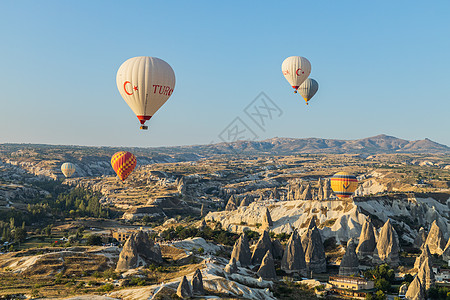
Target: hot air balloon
<point x="344" y="184"/>
<point x="68" y="169"/>
<point x="145" y="84"/>
<point x="308" y="89"/>
<point x="296" y="69"/>
<point x="123" y="163"/>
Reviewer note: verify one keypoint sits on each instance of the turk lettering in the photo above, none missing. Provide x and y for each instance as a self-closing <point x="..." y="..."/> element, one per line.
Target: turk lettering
<point x="162" y="89"/>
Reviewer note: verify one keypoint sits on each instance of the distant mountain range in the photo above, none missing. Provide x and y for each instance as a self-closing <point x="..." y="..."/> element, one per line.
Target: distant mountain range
<point x="277" y="146"/>
<point x="372" y="145"/>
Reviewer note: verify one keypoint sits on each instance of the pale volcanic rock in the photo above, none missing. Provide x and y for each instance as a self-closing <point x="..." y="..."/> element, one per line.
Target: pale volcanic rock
<point x="446" y="253"/>
<point x="327" y="191"/>
<point x="139" y="250"/>
<point x="231" y="267"/>
<point x="415" y="290"/>
<point x="314" y="250"/>
<point x="277" y="249"/>
<point x="403" y="289"/>
<point x="387" y="248"/>
<point x="245" y="202"/>
<point x="267" y="219"/>
<point x="267" y="268"/>
<point x="420" y="259"/>
<point x="197" y="283"/>
<point x="307" y="193"/>
<point x="263" y="245"/>
<point x="370" y="187"/>
<point x="184" y="290"/>
<point x="350" y="264"/>
<point x="202" y="211"/>
<point x="230" y="205"/>
<point x="435" y="240"/>
<point x="367" y="242"/>
<point x="294" y="257"/>
<point x="421" y="238"/>
<point x="292" y="214"/>
<point x="426" y="274"/>
<point x="241" y="251"/>
<point x="342" y="219"/>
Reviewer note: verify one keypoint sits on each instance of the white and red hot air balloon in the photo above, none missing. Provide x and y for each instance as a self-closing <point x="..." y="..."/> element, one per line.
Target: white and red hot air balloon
<point x="145" y="84"/>
<point x="296" y="69"/>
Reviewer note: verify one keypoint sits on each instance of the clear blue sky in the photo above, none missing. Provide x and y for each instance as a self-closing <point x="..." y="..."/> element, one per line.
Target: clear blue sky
<point x="382" y="66"/>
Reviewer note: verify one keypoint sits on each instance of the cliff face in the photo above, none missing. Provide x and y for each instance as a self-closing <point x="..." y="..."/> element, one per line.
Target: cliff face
<point x="337" y="218"/>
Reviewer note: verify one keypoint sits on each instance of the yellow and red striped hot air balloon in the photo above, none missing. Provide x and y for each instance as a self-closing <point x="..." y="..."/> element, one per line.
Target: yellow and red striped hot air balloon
<point x="344" y="184"/>
<point x="123" y="163"/>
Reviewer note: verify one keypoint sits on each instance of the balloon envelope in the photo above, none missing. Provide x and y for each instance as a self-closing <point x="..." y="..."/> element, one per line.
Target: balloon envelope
<point x="68" y="169"/>
<point x="145" y="84"/>
<point x="123" y="163"/>
<point x="344" y="184"/>
<point x="296" y="69"/>
<point x="308" y="89"/>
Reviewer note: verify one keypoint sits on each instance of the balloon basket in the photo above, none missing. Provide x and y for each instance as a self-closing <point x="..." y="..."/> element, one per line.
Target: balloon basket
<point x="143" y="127"/>
<point x="295" y="92"/>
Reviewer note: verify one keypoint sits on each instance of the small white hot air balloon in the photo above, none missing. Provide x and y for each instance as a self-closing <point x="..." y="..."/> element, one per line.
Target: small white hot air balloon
<point x="68" y="169"/>
<point x="296" y="69"/>
<point x="308" y="89"/>
<point x="145" y="84"/>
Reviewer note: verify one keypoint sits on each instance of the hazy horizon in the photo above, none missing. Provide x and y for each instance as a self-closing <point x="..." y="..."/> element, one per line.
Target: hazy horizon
<point x="218" y="142"/>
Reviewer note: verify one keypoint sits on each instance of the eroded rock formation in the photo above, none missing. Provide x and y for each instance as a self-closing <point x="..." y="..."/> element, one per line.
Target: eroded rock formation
<point x="367" y="242"/>
<point x="139" y="250"/>
<point x="294" y="258"/>
<point x="350" y="264"/>
<point x="387" y="248"/>
<point x="267" y="268"/>
<point x="241" y="251"/>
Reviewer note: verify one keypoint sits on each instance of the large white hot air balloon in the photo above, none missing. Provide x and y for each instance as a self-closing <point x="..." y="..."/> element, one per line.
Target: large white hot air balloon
<point x="68" y="169"/>
<point x="296" y="69"/>
<point x="145" y="84"/>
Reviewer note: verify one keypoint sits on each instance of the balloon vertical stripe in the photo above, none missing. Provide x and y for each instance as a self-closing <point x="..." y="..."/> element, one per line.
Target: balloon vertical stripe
<point x="344" y="184"/>
<point x="123" y="163"/>
<point x="68" y="169"/>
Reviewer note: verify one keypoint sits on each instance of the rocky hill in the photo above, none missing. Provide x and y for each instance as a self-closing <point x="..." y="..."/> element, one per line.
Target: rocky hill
<point x="341" y="219"/>
<point x="285" y="146"/>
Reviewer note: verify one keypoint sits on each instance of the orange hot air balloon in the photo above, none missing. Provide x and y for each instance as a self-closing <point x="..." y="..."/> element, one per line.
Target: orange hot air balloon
<point x="123" y="163"/>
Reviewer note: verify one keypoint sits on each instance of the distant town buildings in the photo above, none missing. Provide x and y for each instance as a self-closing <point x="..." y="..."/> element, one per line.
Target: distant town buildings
<point x="348" y="286"/>
<point x="122" y="234"/>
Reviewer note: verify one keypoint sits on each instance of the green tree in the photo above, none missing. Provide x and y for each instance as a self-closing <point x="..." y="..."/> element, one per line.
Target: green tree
<point x="20" y="234"/>
<point x="379" y="295"/>
<point x="94" y="240"/>
<point x="382" y="284"/>
<point x="369" y="297"/>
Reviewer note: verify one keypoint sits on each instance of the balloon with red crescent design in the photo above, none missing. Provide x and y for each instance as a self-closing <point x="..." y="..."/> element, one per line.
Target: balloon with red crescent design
<point x="343" y="184"/>
<point x="123" y="163"/>
<point x="296" y="69"/>
<point x="145" y="83"/>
